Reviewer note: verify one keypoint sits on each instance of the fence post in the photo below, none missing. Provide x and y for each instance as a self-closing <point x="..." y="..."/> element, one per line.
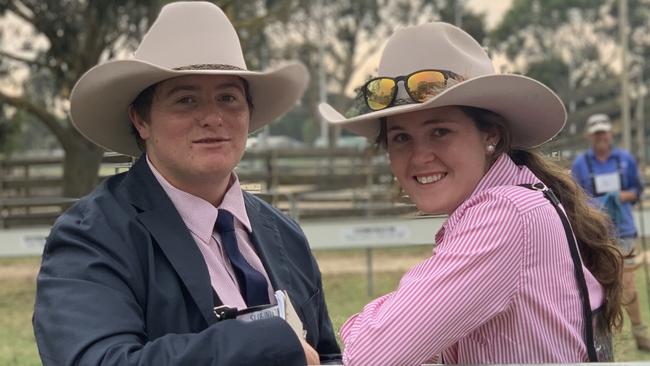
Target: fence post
<point x="369" y="213"/>
<point x="273" y="172"/>
<point x="3" y="174"/>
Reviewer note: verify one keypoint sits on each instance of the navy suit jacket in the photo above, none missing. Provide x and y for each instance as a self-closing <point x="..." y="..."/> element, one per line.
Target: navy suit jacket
<point x="122" y="282"/>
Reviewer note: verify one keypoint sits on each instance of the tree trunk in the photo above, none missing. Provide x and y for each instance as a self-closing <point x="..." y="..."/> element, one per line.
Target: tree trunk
<point x="80" y="167"/>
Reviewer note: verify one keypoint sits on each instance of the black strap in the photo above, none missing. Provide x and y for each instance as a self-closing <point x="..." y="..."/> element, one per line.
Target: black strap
<point x="577" y="267"/>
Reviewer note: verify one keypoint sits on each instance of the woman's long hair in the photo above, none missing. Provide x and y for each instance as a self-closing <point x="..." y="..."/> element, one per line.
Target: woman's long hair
<point x="593" y="229"/>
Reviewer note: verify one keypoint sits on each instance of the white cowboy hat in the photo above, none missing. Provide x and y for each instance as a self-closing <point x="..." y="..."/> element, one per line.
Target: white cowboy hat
<point x="534" y="113"/>
<point x="186" y="38"/>
<point x="599" y="122"/>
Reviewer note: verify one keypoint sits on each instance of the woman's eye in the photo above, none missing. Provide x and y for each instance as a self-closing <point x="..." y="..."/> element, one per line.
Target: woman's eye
<point x="400" y="137"/>
<point x="439" y="132"/>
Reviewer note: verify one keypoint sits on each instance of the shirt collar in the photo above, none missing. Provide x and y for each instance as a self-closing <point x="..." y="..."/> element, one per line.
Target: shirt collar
<point x="612" y="153"/>
<point x="200" y="215"/>
<point x="503" y="172"/>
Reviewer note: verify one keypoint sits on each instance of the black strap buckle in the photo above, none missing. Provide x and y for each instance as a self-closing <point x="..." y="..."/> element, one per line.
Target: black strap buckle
<point x="224" y="312"/>
<point x="541" y="187"/>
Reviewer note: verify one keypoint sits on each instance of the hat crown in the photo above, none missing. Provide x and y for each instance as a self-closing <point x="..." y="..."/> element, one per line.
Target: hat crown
<point x="597" y="119"/>
<point x="191" y="33"/>
<point x="435" y="45"/>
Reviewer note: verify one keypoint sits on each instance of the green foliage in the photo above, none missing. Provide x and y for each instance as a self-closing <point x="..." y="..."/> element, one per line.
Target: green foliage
<point x="350" y="32"/>
<point x="551" y="71"/>
<point x="529" y="26"/>
<point x="56" y="42"/>
<point x="541" y="15"/>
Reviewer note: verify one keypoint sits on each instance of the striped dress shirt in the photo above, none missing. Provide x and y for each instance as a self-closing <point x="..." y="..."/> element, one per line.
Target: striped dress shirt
<point x="498" y="288"/>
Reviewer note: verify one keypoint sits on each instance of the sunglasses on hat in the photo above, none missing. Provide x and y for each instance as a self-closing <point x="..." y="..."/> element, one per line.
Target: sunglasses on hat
<point x="379" y="93"/>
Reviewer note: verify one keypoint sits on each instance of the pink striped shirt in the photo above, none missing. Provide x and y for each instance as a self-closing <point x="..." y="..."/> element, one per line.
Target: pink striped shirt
<point x="200" y="216"/>
<point x="498" y="288"/>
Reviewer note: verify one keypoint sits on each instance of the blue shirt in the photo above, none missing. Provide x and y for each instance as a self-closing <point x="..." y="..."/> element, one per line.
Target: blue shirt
<point x="618" y="161"/>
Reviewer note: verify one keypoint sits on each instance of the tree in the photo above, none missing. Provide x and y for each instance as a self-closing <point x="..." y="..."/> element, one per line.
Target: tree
<point x="343" y="37"/>
<point x="535" y="31"/>
<point x="561" y="43"/>
<point x="56" y="41"/>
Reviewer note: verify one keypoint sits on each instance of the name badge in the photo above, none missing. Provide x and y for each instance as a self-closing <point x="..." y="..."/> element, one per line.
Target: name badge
<point x="605" y="183"/>
<point x="267" y="313"/>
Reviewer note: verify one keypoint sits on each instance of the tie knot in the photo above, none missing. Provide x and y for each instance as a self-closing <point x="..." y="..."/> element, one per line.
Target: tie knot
<point x="225" y="221"/>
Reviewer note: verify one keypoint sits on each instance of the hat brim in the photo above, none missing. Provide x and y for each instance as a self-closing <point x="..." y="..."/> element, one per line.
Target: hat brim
<point x="599" y="127"/>
<point x="100" y="100"/>
<point x="534" y="113"/>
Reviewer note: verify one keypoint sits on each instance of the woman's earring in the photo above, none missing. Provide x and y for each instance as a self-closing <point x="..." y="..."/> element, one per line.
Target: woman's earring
<point x="490" y="149"/>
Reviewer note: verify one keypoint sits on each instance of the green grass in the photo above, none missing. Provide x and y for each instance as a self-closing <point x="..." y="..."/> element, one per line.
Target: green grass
<point x="346" y="295"/>
<point x="624" y="345"/>
<point x="17" y="345"/>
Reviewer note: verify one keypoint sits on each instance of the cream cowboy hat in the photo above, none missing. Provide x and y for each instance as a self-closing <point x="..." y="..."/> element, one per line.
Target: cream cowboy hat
<point x="535" y="114"/>
<point x="599" y="122"/>
<point x="186" y="38"/>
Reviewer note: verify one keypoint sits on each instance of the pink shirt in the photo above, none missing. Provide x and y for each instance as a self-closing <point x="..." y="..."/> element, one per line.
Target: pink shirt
<point x="200" y="216"/>
<point x="499" y="288"/>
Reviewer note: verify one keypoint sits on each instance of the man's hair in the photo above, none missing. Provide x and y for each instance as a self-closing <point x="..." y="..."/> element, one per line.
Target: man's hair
<point x="142" y="106"/>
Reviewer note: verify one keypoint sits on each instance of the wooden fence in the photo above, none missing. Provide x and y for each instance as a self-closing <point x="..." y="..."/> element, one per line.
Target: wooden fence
<point x="307" y="184"/>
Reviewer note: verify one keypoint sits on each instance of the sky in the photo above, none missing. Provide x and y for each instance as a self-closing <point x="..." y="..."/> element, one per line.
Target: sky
<point x="494" y="9"/>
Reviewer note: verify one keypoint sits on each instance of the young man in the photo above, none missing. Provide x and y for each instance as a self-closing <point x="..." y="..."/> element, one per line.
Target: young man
<point x="145" y="269"/>
<point x="611" y="176"/>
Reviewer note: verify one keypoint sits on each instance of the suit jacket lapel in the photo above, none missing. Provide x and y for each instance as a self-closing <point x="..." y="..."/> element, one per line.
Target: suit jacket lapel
<point x="268" y="244"/>
<point x="160" y="217"/>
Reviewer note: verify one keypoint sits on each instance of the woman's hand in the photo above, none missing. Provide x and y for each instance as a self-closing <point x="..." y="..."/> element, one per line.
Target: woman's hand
<point x="310" y="354"/>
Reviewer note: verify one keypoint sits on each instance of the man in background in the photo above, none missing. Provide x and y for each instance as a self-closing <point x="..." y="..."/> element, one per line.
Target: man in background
<point x="611" y="176"/>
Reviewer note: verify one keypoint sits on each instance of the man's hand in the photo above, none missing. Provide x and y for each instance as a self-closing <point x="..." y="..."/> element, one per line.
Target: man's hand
<point x="310" y="353"/>
<point x="628" y="196"/>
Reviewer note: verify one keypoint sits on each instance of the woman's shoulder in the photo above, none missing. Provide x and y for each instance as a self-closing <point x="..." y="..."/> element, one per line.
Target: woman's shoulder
<point x="511" y="196"/>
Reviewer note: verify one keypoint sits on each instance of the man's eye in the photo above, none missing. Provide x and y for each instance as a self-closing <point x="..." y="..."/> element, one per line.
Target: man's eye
<point x="228" y="98"/>
<point x="186" y="100"/>
<point x="439" y="132"/>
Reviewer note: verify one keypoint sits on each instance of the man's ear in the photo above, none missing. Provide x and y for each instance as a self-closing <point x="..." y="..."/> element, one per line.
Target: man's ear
<point x="139" y="123"/>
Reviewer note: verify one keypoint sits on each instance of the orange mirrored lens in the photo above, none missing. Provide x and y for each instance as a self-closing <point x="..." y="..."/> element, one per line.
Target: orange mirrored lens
<point x="379" y="93"/>
<point x="425" y="84"/>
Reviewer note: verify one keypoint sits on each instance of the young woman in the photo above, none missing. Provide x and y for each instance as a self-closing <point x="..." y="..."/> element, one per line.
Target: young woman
<point x="501" y="285"/>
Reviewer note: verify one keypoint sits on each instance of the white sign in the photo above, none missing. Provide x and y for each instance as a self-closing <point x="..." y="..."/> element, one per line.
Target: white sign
<point x="34" y="241"/>
<point x="374" y="234"/>
<point x="605" y="183"/>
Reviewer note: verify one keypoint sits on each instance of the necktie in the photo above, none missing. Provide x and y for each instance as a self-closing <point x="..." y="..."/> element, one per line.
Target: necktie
<point x="252" y="283"/>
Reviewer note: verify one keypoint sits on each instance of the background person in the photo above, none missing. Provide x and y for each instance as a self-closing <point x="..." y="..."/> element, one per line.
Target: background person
<point x="131" y="274"/>
<point x="611" y="176"/>
<point x="501" y="285"/>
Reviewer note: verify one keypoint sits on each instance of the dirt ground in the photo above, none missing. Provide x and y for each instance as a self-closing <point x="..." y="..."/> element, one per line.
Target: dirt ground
<point x="383" y="260"/>
<point x="23" y="269"/>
